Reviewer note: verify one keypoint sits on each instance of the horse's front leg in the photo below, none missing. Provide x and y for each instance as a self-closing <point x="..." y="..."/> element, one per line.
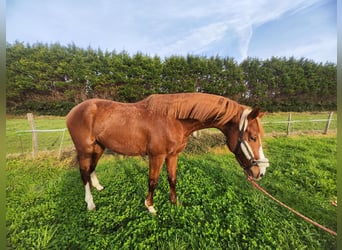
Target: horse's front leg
<point x="171" y="164"/>
<point x="156" y="164"/>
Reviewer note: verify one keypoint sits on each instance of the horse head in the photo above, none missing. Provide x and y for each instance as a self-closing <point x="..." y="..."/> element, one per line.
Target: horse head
<point x="245" y="142"/>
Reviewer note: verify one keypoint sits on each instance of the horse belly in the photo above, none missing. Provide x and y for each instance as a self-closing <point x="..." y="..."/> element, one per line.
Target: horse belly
<point x="131" y="142"/>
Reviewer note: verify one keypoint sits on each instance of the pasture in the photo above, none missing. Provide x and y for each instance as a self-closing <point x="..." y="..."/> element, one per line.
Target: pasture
<point x="220" y="209"/>
<point x="20" y="143"/>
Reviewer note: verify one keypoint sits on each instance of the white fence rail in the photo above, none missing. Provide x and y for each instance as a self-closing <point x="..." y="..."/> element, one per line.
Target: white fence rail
<point x="60" y="139"/>
<point x="290" y="122"/>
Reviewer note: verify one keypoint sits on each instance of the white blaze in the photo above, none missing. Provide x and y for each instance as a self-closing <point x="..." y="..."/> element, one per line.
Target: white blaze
<point x="263" y="164"/>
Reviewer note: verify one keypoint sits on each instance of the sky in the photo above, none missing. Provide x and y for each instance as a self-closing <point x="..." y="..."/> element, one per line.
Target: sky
<point x="227" y="28"/>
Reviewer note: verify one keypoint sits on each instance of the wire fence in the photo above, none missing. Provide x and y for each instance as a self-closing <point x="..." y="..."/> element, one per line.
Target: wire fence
<point x="299" y="123"/>
<point x="54" y="139"/>
<point x="59" y="141"/>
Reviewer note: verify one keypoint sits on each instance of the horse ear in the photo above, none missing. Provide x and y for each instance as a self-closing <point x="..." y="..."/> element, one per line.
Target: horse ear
<point x="254" y="114"/>
<point x="261" y="114"/>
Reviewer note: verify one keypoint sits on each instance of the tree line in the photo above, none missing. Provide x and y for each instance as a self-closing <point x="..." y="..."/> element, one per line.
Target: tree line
<point x="51" y="78"/>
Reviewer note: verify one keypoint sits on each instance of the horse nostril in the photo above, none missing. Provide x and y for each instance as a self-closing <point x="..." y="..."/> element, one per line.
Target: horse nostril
<point x="261" y="175"/>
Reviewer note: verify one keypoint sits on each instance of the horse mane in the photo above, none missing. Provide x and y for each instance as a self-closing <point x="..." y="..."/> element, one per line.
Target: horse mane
<point x="197" y="106"/>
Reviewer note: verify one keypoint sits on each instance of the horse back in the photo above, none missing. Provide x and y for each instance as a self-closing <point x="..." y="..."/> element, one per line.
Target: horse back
<point x="125" y="128"/>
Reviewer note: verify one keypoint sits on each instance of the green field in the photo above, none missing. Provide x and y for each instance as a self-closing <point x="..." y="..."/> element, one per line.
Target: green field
<point x="306" y="122"/>
<point x="274" y="124"/>
<point x="220" y="209"/>
<point x="20" y="142"/>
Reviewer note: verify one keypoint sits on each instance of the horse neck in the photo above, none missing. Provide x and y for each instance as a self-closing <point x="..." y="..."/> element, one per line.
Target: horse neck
<point x="191" y="126"/>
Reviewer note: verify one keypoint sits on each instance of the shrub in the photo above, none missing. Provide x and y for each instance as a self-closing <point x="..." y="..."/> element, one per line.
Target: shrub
<point x="57" y="108"/>
<point x="206" y="140"/>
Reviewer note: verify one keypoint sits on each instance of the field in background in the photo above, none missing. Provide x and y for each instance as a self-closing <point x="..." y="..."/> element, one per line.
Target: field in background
<point x="301" y="123"/>
<point x="18" y="143"/>
<point x="274" y="124"/>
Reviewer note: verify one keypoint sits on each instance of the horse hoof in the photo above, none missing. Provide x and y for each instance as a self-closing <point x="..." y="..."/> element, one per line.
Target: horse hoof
<point x="151" y="209"/>
<point x="91" y="207"/>
<point x="99" y="188"/>
<point x="176" y="203"/>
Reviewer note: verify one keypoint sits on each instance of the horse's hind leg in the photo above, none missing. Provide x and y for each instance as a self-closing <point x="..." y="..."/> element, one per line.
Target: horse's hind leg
<point x="98" y="151"/>
<point x="88" y="162"/>
<point x="85" y="161"/>
<point x="95" y="182"/>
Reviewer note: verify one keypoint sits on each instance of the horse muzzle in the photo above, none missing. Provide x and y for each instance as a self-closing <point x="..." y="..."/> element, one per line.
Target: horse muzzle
<point x="262" y="164"/>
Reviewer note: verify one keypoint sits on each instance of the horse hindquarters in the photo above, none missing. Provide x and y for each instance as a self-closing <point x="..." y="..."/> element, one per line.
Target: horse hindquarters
<point x="80" y="125"/>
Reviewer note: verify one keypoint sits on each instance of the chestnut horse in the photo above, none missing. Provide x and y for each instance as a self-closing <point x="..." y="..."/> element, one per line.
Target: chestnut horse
<point x="159" y="126"/>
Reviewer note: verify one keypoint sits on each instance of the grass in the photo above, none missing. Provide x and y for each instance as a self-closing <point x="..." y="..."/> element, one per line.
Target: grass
<point x="276" y="123"/>
<point x="220" y="209"/>
<point x="21" y="142"/>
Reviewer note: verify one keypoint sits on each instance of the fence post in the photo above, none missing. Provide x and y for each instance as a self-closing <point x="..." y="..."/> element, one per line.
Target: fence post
<point x="288" y="124"/>
<point x="327" y="125"/>
<point x="34" y="134"/>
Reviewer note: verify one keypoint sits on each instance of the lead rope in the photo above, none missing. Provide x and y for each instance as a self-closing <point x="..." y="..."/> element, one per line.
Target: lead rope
<point x="256" y="185"/>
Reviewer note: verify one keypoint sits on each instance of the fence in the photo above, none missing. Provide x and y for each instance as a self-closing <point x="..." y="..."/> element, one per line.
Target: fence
<point x="37" y="140"/>
<point x="302" y="123"/>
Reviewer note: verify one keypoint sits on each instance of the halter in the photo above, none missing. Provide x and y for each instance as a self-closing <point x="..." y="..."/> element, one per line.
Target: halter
<point x="245" y="148"/>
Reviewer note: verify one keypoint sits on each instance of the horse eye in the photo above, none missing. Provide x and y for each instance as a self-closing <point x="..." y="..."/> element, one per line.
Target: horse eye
<point x="253" y="138"/>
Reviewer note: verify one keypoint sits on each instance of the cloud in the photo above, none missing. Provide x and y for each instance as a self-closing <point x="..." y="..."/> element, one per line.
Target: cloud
<point x="310" y="33"/>
<point x="150" y="26"/>
<point x="197" y="40"/>
<point x="206" y="24"/>
<point x="314" y="50"/>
